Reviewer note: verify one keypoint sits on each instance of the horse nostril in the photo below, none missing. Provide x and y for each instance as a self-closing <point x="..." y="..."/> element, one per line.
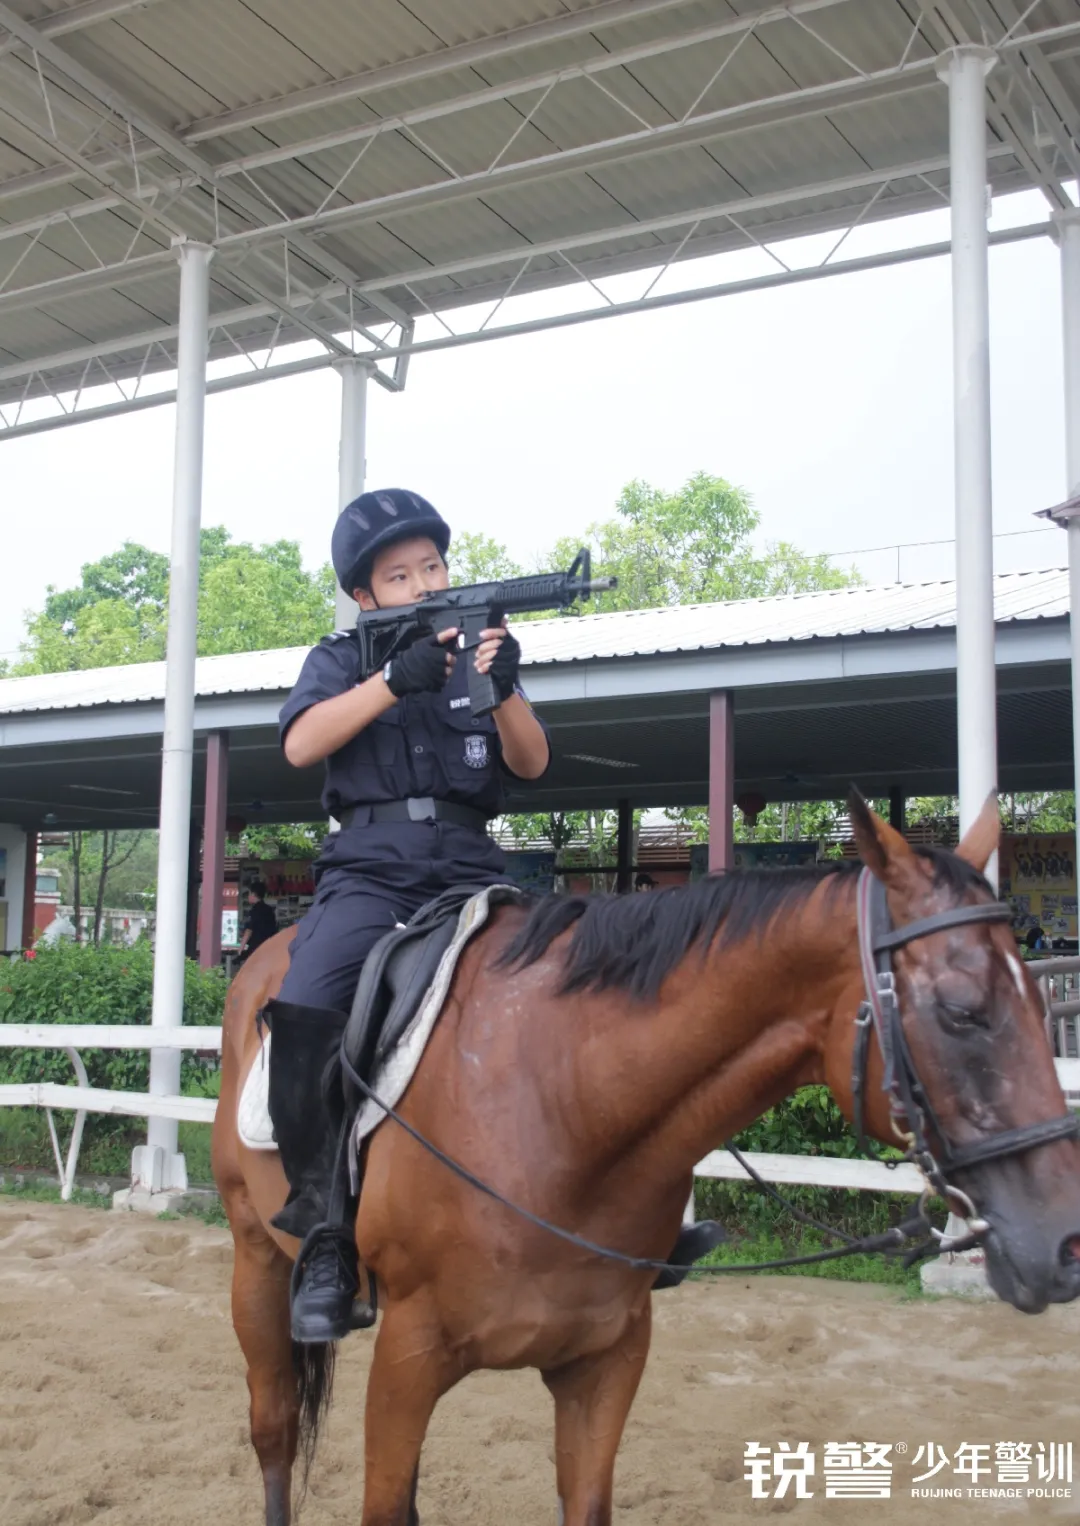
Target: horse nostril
<point x="1070" y="1251"/>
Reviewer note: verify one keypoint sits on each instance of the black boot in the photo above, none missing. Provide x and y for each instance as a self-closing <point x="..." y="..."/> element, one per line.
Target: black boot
<point x="305" y="1042"/>
<point x="312" y="1136"/>
<point x="694" y="1242"/>
<point x="324" y="1302"/>
<point x="325" y="1283"/>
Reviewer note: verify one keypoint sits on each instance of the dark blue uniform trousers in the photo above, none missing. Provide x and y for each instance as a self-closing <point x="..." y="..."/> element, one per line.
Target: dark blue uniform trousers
<point x="369" y="878"/>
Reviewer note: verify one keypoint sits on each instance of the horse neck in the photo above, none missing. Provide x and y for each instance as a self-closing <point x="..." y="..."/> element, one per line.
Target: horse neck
<point x="731" y="1036"/>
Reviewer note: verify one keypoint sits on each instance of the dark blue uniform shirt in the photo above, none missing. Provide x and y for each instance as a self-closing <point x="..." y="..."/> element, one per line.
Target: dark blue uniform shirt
<point x="371" y="875"/>
<point x="425" y="745"/>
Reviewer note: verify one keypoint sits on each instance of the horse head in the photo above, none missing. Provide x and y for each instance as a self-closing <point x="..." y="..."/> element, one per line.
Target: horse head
<point x="971" y="1076"/>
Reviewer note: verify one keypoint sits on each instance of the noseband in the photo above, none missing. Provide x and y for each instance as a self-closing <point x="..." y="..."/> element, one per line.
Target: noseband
<point x="909" y="1104"/>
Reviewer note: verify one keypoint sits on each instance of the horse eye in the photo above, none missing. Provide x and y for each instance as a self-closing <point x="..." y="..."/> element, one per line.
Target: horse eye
<point x="962" y="1017"/>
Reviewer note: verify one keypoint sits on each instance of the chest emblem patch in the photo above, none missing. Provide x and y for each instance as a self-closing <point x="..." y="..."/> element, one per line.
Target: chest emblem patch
<point x="476" y="751"/>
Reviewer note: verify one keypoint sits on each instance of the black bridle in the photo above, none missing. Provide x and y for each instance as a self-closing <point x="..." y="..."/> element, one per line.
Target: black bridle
<point x="910" y="1107"/>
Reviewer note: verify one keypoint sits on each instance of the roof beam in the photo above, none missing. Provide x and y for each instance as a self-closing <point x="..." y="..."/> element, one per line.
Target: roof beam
<point x="356" y="133"/>
<point x="150" y="265"/>
<point x="564" y="320"/>
<point x="164" y="335"/>
<point x="617" y="59"/>
<point x="1046" y="95"/>
<point x="55" y="175"/>
<point x="77" y="18"/>
<point x="144" y="266"/>
<point x="1000" y="111"/>
<point x="254" y="207"/>
<point x="169" y="228"/>
<point x="157" y="399"/>
<point x="849" y="92"/>
<point x="791" y="106"/>
<point x="724" y="289"/>
<point x="726" y="240"/>
<point x="444" y="61"/>
<point x="609" y="264"/>
<point x="747" y="204"/>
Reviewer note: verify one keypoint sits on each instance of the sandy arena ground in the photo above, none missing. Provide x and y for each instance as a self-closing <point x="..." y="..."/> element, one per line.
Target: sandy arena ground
<point x="122" y="1397"/>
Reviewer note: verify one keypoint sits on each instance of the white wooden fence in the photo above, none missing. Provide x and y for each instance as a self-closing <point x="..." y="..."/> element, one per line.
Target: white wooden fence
<point x="84" y="1098"/>
<point x="787" y="1170"/>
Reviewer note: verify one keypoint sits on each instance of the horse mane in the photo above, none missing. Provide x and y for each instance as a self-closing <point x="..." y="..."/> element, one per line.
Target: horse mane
<point x="634" y="942"/>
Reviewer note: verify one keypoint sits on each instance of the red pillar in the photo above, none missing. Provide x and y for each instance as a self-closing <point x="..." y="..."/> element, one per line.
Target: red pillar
<point x="721" y="780"/>
<point x="29" y="890"/>
<point x="213" y="872"/>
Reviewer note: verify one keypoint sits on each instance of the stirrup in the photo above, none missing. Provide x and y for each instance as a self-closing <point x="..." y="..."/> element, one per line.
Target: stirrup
<point x="694" y="1242"/>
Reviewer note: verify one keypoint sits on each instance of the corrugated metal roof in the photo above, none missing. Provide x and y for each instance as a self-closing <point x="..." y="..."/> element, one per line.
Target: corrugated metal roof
<point x="200" y="69"/>
<point x="860" y="611"/>
<point x="891" y="609"/>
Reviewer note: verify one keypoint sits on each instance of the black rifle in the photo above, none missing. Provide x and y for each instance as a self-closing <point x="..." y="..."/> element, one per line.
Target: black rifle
<point x="479" y="606"/>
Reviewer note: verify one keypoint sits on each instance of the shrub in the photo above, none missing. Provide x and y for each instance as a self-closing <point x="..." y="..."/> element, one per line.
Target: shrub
<point x="806" y="1123"/>
<point x="78" y="983"/>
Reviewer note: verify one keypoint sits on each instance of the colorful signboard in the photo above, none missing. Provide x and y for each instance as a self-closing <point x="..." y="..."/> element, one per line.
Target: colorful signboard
<point x="1038" y="878"/>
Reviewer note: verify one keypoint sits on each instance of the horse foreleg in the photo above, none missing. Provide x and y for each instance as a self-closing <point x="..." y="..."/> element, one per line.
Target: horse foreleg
<point x="260" y="1311"/>
<point x="410" y="1371"/>
<point x="592" y="1397"/>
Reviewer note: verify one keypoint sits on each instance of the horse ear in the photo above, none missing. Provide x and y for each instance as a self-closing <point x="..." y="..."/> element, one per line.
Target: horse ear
<point x="980" y="840"/>
<point x="881" y="847"/>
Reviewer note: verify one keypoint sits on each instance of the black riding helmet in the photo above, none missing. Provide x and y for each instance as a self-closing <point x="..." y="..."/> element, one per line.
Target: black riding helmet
<point x="375" y="520"/>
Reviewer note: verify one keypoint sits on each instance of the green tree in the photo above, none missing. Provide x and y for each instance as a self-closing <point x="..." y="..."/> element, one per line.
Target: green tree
<point x="1023" y="812"/>
<point x="692" y="547"/>
<point x="256" y="599"/>
<point x="284" y="839"/>
<point x="688" y="547"/>
<point x="581" y="839"/>
<point x="476" y="558"/>
<point x="102" y="869"/>
<point x="785" y="569"/>
<point x="250" y="599"/>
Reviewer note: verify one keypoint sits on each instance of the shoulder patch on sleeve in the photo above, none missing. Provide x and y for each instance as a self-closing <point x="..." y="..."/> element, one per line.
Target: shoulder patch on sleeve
<point x="342" y="635"/>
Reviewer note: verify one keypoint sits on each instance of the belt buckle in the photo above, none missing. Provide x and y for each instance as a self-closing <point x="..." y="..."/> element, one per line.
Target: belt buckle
<point x="422" y="809"/>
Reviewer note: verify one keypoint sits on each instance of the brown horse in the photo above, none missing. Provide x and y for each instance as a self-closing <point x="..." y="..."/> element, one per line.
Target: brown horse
<point x="590" y="1052"/>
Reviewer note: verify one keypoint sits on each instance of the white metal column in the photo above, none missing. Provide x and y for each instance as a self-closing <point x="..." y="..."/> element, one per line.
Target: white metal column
<point x="150" y="1169"/>
<point x="965" y="69"/>
<point x="1067" y="225"/>
<point x="352" y="460"/>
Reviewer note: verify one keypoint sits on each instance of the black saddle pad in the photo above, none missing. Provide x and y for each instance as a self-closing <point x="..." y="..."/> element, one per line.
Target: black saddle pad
<point x="398" y="973"/>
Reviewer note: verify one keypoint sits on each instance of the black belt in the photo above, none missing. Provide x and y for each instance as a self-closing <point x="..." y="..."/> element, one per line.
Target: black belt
<point x="423" y="809"/>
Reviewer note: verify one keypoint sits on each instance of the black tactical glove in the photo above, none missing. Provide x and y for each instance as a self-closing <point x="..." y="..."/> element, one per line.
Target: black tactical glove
<point x="422" y="669"/>
<point x="504" y="667"/>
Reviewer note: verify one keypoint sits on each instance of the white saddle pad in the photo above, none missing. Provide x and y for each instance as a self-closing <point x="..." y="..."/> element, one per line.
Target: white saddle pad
<point x="253" y="1114"/>
<point x="390" y="1082"/>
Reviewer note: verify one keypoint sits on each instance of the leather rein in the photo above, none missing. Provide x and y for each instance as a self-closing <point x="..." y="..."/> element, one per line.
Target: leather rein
<point x="910" y="1108"/>
<point x="908" y="1104"/>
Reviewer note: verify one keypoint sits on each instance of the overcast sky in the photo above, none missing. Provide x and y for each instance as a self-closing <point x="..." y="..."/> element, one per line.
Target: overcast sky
<point x="829" y="401"/>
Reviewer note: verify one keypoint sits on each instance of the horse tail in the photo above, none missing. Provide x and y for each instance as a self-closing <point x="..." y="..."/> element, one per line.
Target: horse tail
<point x="314" y="1369"/>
